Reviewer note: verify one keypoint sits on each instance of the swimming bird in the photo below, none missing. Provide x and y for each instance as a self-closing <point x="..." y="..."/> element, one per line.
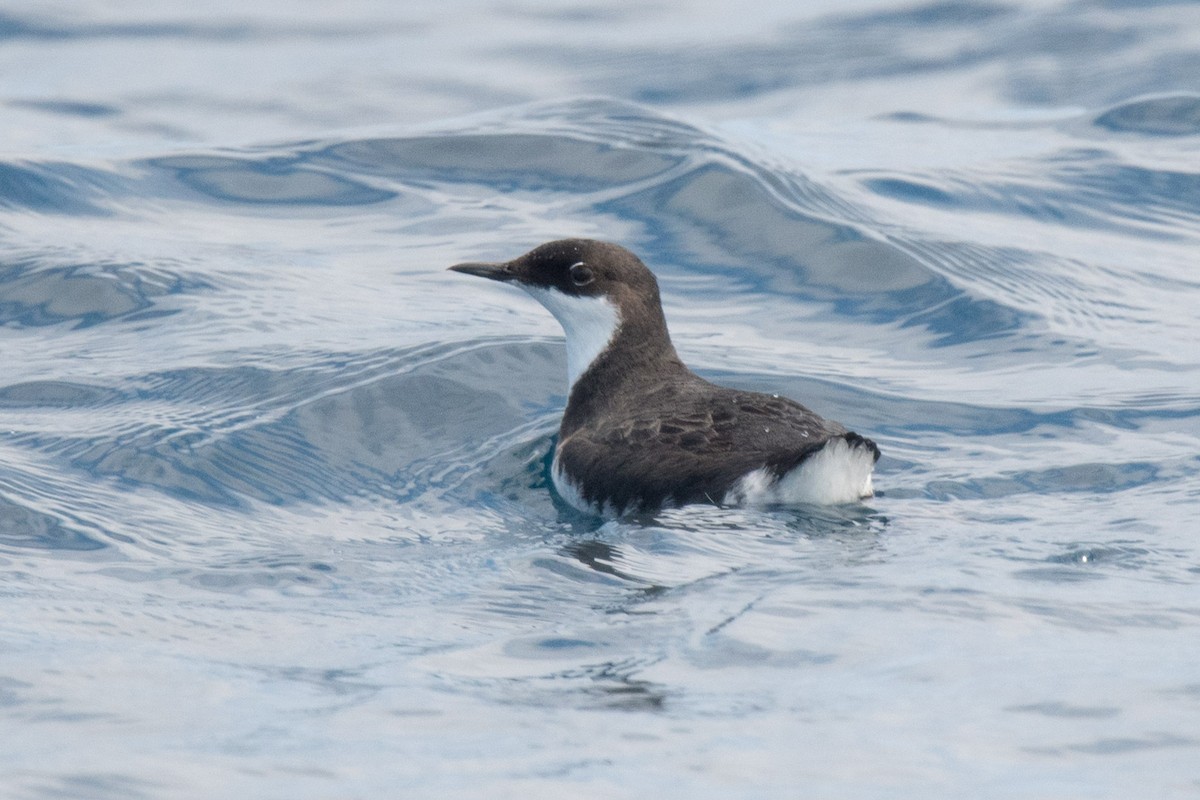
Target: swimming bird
<point x="641" y="431"/>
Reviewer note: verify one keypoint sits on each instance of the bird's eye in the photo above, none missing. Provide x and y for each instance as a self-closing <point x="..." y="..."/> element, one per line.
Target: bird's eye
<point x="581" y="274"/>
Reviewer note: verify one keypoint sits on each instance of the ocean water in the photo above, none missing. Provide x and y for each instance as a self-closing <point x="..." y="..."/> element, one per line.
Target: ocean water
<point x="275" y="519"/>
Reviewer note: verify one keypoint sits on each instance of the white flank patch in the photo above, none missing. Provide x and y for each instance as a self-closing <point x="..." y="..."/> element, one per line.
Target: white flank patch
<point x="837" y="473"/>
<point x="569" y="492"/>
<point x="589" y="322"/>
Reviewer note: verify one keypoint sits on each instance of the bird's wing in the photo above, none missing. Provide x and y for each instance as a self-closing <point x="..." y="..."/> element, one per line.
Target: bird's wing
<point x="691" y="449"/>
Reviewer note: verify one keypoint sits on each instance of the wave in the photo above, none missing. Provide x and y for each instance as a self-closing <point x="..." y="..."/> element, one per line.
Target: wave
<point x="232" y="422"/>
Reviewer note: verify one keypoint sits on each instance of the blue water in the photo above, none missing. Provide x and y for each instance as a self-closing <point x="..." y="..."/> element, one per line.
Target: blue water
<point x="275" y="519"/>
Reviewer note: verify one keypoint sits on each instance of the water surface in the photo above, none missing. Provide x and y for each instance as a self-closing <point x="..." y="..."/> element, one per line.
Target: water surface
<point x="275" y="518"/>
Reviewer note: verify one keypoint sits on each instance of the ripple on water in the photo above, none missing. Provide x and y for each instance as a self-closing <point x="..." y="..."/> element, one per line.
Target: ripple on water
<point x="321" y="495"/>
<point x="57" y="188"/>
<point x="1162" y="115"/>
<point x="321" y="431"/>
<point x="272" y="179"/>
<point x="34" y="293"/>
<point x="22" y="527"/>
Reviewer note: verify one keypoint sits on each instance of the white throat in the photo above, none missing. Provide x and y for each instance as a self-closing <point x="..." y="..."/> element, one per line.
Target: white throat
<point x="589" y="322"/>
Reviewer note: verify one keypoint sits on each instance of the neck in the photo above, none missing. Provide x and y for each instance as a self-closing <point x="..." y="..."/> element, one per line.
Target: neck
<point x="590" y="323"/>
<point x="640" y="349"/>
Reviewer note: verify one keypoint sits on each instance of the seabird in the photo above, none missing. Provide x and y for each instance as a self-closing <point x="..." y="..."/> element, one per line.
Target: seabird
<point x="641" y="431"/>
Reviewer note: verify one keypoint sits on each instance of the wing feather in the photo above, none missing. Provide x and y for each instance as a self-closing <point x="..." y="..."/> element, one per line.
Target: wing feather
<point x="690" y="446"/>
